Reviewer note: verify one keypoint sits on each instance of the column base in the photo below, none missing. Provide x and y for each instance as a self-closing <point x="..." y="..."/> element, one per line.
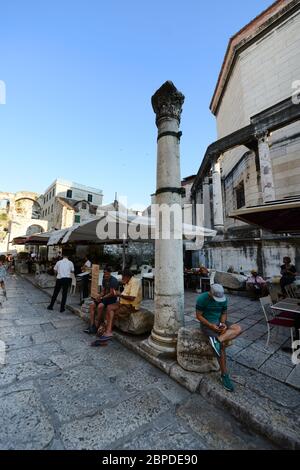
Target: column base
<point x="162" y="345"/>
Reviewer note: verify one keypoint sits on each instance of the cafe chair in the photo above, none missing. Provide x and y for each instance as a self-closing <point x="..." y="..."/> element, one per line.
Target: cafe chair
<point x="282" y="319"/>
<point x="73" y="285"/>
<point x="292" y="291"/>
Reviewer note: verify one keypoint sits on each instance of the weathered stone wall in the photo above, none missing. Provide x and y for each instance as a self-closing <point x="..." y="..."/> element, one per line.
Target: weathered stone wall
<point x="244" y="255"/>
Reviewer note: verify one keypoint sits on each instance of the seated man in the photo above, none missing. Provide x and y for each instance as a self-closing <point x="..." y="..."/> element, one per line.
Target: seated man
<point x="211" y="311"/>
<point x="106" y="297"/>
<point x="130" y="300"/>
<point x="256" y="285"/>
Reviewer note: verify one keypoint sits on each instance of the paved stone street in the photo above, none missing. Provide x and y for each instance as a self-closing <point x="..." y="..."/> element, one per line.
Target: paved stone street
<point x="59" y="393"/>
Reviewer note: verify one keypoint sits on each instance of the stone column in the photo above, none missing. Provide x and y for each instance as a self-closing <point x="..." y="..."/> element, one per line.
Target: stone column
<point x="206" y="202"/>
<point x="266" y="172"/>
<point x="169" y="290"/>
<point x="217" y="197"/>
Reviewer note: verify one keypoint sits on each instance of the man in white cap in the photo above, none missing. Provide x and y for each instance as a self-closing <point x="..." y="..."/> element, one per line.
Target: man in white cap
<point x="211" y="311"/>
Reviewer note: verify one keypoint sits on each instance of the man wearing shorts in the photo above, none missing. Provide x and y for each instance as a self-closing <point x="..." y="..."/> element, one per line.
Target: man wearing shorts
<point x="107" y="297"/>
<point x="211" y="311"/>
<point x="130" y="300"/>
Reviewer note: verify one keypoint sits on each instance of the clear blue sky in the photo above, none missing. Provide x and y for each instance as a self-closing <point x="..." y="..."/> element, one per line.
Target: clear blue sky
<point x="80" y="76"/>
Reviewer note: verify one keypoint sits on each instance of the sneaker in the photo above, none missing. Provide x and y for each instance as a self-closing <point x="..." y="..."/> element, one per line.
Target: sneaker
<point x="226" y="382"/>
<point x="49" y="307"/>
<point x="215" y="344"/>
<point x="91" y="330"/>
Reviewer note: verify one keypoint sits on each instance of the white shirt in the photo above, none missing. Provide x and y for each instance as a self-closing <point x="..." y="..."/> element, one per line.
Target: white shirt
<point x="88" y="265"/>
<point x="64" y="268"/>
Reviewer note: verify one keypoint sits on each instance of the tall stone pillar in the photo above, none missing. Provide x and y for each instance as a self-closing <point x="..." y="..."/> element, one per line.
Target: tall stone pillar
<point x="206" y="202"/>
<point x="169" y="290"/>
<point x="217" y="197"/>
<point x="266" y="171"/>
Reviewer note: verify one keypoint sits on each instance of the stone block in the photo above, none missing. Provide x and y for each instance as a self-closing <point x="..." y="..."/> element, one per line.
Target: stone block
<point x="194" y="352"/>
<point x="231" y="280"/>
<point x="138" y="323"/>
<point x="45" y="281"/>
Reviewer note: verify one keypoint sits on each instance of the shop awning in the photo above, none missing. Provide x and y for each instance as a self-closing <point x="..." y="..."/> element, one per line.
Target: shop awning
<point x="38" y="239"/>
<point x="19" y="240"/>
<point x="282" y="216"/>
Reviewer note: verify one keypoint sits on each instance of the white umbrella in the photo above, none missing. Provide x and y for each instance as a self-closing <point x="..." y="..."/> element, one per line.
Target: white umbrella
<point x="117" y="222"/>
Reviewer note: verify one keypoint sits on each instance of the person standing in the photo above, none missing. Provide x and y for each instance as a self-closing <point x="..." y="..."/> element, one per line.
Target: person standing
<point x="86" y="270"/>
<point x="3" y="273"/>
<point x="288" y="273"/>
<point x="64" y="269"/>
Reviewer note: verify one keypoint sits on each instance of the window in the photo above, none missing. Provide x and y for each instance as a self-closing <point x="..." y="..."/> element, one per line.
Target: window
<point x="69" y="193"/>
<point x="52" y="208"/>
<point x="240" y="195"/>
<point x="47" y="198"/>
<point x="77" y="219"/>
<point x="83" y="205"/>
<point x="53" y="192"/>
<point x="90" y="197"/>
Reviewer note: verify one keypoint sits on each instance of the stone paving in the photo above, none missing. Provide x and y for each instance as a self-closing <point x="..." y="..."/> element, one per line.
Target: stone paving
<point x="59" y="393"/>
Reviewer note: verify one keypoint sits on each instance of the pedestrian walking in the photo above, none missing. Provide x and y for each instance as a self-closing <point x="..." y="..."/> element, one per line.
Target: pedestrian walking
<point x="63" y="268"/>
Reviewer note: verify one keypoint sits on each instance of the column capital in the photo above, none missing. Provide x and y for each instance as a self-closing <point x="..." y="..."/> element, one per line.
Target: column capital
<point x="262" y="134"/>
<point x="167" y="102"/>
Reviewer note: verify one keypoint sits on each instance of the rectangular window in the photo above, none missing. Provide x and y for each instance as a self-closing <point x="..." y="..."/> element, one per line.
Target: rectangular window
<point x="53" y="192"/>
<point x="90" y="197"/>
<point x="77" y="219"/>
<point x="240" y="195"/>
<point x="52" y="208"/>
<point x="83" y="205"/>
<point x="69" y="193"/>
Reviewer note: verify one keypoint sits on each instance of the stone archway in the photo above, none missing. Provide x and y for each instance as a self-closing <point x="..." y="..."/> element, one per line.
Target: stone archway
<point x="34" y="228"/>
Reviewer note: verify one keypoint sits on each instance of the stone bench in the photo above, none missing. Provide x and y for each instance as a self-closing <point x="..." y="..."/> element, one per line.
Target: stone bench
<point x="45" y="280"/>
<point x="194" y="352"/>
<point x="137" y="323"/>
<point x="231" y="281"/>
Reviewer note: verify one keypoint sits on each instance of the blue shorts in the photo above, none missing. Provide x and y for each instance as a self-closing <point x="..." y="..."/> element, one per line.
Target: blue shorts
<point x="106" y="302"/>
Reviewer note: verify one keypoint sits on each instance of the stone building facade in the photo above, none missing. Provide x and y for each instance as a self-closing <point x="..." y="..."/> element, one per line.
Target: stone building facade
<point x="256" y="159"/>
<point x="20" y="214"/>
<point x="65" y="203"/>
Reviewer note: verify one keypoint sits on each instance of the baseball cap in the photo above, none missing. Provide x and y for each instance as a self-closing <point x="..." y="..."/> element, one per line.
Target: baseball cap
<point x="217" y="292"/>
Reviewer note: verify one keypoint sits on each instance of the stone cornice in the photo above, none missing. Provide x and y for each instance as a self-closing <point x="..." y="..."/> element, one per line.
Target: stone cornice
<point x="167" y="102"/>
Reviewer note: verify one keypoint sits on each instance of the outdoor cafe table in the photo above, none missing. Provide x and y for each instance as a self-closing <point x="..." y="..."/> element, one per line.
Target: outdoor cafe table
<point x="292" y="306"/>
